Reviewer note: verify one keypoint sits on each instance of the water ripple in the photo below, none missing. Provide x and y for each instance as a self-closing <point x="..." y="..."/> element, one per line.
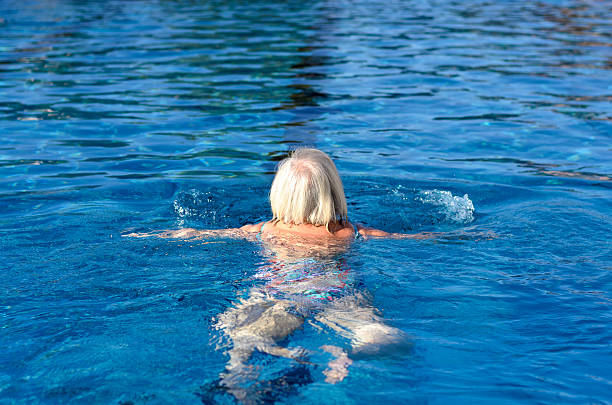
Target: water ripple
<point x="501" y="76"/>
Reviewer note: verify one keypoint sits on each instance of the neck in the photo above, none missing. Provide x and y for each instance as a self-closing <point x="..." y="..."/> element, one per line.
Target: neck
<point x="331" y="227"/>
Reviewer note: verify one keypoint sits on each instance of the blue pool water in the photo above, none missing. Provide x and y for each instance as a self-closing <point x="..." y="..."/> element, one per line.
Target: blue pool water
<point x="469" y="118"/>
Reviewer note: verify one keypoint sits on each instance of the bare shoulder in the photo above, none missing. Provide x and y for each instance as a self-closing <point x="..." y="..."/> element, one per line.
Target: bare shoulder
<point x="345" y="232"/>
<point x="252" y="228"/>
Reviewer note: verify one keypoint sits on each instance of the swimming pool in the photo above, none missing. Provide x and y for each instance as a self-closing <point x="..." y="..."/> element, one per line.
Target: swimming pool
<point x="455" y="117"/>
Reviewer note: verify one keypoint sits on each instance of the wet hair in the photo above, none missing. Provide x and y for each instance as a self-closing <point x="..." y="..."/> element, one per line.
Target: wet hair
<point x="307" y="190"/>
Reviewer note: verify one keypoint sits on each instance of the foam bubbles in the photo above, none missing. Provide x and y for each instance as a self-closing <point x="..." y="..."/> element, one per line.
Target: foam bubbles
<point x="454" y="208"/>
<point x="205" y="207"/>
<point x="222" y="207"/>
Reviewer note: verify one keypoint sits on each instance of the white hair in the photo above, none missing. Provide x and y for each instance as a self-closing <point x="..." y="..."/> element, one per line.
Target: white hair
<point x="307" y="190"/>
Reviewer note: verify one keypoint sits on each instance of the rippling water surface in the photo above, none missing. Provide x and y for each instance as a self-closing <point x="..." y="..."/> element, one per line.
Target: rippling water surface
<point x="459" y="117"/>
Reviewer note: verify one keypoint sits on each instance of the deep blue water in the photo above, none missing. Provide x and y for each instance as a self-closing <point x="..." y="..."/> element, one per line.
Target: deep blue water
<point x="457" y="117"/>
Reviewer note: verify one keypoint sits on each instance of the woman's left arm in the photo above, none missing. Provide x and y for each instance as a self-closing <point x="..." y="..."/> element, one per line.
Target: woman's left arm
<point x="245" y="232"/>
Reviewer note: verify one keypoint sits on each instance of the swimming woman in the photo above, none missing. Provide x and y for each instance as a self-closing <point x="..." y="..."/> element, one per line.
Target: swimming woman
<point x="305" y="277"/>
<point x="307" y="200"/>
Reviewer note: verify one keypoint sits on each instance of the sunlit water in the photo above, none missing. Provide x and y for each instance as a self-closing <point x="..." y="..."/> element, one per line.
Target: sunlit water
<point x="467" y="118"/>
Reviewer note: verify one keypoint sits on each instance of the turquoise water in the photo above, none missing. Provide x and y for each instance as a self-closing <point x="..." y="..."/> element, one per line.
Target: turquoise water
<point x="457" y="117"/>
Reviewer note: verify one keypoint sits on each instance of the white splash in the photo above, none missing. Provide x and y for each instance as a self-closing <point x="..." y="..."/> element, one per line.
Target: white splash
<point x="454" y="208"/>
<point x="193" y="204"/>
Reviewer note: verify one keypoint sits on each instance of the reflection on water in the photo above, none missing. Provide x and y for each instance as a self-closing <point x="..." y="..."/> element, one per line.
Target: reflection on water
<point x="309" y="78"/>
<point x="193" y="90"/>
<point x="542" y="169"/>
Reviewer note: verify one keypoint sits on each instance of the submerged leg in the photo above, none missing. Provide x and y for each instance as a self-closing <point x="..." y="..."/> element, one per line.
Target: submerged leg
<point x="296" y="354"/>
<point x="238" y="373"/>
<point x="256" y="323"/>
<point x="337" y="368"/>
<point x="353" y="318"/>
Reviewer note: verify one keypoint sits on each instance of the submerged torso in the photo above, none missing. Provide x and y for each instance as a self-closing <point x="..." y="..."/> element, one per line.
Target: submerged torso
<point x="307" y="270"/>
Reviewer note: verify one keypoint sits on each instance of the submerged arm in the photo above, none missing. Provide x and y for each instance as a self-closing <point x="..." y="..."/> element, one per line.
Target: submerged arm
<point x="460" y="234"/>
<point x="377" y="233"/>
<point x="245" y="231"/>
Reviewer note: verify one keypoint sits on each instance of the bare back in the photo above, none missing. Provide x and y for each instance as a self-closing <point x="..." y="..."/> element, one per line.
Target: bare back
<point x="278" y="228"/>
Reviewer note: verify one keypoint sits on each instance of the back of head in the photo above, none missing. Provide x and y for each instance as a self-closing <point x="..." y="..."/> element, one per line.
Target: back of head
<point x="307" y="190"/>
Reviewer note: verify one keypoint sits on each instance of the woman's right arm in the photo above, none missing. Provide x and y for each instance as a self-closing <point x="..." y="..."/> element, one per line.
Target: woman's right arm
<point x="462" y="234"/>
<point x="368" y="232"/>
